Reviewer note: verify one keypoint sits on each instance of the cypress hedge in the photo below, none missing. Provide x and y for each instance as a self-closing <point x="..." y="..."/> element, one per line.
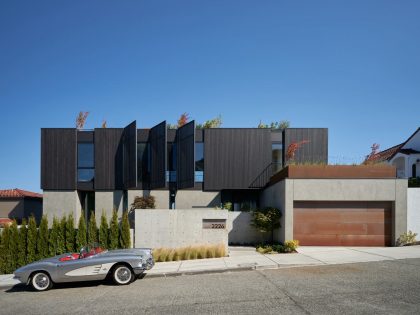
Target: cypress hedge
<point x="70" y="234"/>
<point x="23" y="244"/>
<point x="20" y="246"/>
<point x="81" y="233"/>
<point x="125" y="241"/>
<point x="103" y="231"/>
<point x="31" y="240"/>
<point x="92" y="229"/>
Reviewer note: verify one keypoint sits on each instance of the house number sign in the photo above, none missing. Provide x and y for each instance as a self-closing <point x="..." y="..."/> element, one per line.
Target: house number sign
<point x="214" y="224"/>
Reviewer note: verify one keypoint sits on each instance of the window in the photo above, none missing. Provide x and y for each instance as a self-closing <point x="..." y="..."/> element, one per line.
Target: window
<point x="85" y="162"/>
<point x="276" y="156"/>
<point x="143" y="162"/>
<point x="199" y="162"/>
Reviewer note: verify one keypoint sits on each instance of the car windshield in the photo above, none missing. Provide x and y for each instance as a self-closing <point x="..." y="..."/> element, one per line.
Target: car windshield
<point x="90" y="250"/>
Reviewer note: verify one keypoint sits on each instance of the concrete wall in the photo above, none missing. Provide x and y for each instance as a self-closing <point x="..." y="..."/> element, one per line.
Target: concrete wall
<point x="107" y="201"/>
<point x="177" y="228"/>
<point x="413" y="210"/>
<point x="61" y="203"/>
<point x="241" y="232"/>
<point x="284" y="193"/>
<point x="187" y="199"/>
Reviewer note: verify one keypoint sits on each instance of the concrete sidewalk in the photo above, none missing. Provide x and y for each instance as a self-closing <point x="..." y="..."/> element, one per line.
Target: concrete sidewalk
<point x="246" y="258"/>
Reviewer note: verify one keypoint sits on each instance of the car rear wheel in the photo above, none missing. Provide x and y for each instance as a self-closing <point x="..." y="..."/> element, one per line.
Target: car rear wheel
<point x="122" y="275"/>
<point x="41" y="281"/>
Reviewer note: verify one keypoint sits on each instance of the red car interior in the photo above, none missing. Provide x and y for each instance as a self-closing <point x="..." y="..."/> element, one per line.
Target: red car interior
<point x="73" y="256"/>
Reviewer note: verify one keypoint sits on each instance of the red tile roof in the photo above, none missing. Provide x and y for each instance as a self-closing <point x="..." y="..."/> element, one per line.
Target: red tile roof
<point x="18" y="193"/>
<point x="384" y="155"/>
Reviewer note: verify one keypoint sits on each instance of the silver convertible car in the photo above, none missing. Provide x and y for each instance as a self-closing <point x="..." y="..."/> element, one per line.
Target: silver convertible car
<point x="92" y="263"/>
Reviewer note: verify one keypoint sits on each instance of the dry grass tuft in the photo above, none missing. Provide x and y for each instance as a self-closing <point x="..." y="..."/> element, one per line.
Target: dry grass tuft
<point x="190" y="252"/>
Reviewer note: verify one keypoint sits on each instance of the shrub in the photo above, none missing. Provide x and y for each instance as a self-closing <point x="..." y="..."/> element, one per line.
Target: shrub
<point x="92" y="229"/>
<point x="291" y="246"/>
<point x="23" y="244"/>
<point x="125" y="240"/>
<point x="70" y="234"/>
<point x="52" y="241"/>
<point x="81" y="232"/>
<point x="189" y="252"/>
<point x="264" y="249"/>
<point x="406" y="238"/>
<point x="32" y="240"/>
<point x="414" y="182"/>
<point x="42" y="241"/>
<point x="13" y="246"/>
<point x="146" y="202"/>
<point x="266" y="220"/>
<point x="228" y="206"/>
<point x="113" y="231"/>
<point x="61" y="236"/>
<point x="103" y="231"/>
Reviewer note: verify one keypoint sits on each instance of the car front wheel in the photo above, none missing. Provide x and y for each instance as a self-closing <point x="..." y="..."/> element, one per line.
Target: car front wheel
<point x="41" y="281"/>
<point x="122" y="275"/>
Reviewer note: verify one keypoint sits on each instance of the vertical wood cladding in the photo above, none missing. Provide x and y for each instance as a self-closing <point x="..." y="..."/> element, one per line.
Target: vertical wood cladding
<point x="157" y="139"/>
<point x="58" y="158"/>
<point x="315" y="151"/>
<point x="108" y="158"/>
<point x="185" y="173"/>
<point x="130" y="155"/>
<point x="234" y="158"/>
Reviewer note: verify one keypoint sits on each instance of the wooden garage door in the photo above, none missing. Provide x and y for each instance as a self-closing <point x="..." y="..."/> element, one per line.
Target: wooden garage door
<point x="342" y="223"/>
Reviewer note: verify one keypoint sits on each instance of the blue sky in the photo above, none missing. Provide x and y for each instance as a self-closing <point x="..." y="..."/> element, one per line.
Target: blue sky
<point x="353" y="67"/>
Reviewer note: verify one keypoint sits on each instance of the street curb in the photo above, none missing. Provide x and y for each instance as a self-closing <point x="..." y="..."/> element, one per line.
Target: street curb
<point x="197" y="272"/>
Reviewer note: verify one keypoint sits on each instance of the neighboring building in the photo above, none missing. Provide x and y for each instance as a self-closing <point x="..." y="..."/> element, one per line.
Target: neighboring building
<point x="18" y="204"/>
<point x="405" y="156"/>
<point x="105" y="168"/>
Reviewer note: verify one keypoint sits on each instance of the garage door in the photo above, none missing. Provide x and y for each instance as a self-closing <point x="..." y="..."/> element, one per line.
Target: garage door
<point x="342" y="223"/>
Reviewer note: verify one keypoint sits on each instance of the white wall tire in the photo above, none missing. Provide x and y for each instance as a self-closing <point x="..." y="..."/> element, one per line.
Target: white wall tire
<point x="41" y="281"/>
<point x="122" y="275"/>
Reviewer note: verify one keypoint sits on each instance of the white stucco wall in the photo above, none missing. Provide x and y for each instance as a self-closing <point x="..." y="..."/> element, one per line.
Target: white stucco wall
<point x="413" y="210"/>
<point x="156" y="228"/>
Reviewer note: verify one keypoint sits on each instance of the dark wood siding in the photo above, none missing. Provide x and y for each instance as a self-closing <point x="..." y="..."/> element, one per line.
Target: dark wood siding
<point x="234" y="158"/>
<point x="157" y="138"/>
<point x="58" y="158"/>
<point x="185" y="173"/>
<point x="130" y="155"/>
<point x="108" y="158"/>
<point x="315" y="151"/>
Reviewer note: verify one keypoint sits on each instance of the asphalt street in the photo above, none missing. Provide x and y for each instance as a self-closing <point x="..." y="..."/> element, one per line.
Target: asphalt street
<point x="387" y="287"/>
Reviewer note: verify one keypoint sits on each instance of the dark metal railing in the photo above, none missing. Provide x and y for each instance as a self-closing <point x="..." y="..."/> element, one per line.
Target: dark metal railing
<point x="264" y="177"/>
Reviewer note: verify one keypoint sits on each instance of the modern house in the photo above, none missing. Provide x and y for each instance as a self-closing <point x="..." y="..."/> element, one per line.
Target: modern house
<point x="404" y="156"/>
<point x="105" y="168"/>
<point x="18" y="204"/>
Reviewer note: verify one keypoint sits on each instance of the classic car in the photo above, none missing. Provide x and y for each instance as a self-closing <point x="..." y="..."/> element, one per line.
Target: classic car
<point x="92" y="263"/>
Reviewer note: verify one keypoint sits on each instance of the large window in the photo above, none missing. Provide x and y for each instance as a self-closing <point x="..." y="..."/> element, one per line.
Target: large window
<point x="276" y="156"/>
<point x="199" y="162"/>
<point x="171" y="161"/>
<point x="143" y="162"/>
<point x="85" y="162"/>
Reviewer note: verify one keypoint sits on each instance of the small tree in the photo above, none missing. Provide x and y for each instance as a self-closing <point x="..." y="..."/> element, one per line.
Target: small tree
<point x="292" y="148"/>
<point x="61" y="236"/>
<point x="52" y="240"/>
<point x="70" y="234"/>
<point x="183" y="119"/>
<point x="23" y="244"/>
<point x="103" y="231"/>
<point x="4" y="250"/>
<point x="32" y="240"/>
<point x="125" y="239"/>
<point x="267" y="220"/>
<point x="103" y="124"/>
<point x="113" y="231"/>
<point x="211" y="123"/>
<point x="42" y="244"/>
<point x="81" y="232"/>
<point x="93" y="229"/>
<point x="81" y="119"/>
